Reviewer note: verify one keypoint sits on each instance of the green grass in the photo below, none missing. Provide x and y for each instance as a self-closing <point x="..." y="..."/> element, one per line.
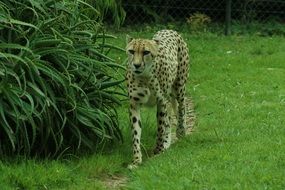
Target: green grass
<point x="237" y="84"/>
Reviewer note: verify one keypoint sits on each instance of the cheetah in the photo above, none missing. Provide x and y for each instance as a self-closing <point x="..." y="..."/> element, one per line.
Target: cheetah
<point x="157" y="71"/>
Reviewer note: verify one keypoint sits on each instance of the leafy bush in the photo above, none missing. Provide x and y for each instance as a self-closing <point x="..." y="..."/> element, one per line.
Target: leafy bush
<point x="109" y="10"/>
<point x="55" y="92"/>
<point x="198" y="21"/>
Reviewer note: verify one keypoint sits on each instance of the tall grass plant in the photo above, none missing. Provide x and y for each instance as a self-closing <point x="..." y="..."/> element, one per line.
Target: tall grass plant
<point x="56" y="94"/>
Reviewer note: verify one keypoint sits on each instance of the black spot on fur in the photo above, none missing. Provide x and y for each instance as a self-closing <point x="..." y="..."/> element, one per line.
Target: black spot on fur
<point x="141" y="94"/>
<point x="134" y="119"/>
<point x="136" y="98"/>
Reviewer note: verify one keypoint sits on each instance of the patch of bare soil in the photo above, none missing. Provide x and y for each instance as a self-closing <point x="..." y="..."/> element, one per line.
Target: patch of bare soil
<point x="115" y="182"/>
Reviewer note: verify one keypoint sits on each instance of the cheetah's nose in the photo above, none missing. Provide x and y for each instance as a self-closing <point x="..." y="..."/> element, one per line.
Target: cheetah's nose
<point x="137" y="66"/>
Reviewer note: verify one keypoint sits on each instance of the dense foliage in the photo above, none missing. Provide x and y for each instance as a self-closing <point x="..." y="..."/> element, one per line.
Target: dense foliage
<point x="110" y="11"/>
<point x="162" y="11"/>
<point x="55" y="91"/>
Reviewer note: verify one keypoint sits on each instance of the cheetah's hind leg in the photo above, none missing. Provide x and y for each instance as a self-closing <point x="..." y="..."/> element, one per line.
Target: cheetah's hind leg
<point x="181" y="123"/>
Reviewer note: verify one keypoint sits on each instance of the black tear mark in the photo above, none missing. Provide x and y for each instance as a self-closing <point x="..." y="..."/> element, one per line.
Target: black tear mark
<point x="134" y="119"/>
<point x="136" y="98"/>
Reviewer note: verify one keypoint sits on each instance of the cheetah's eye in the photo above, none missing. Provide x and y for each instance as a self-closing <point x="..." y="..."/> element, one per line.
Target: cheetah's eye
<point x="131" y="51"/>
<point x="146" y="52"/>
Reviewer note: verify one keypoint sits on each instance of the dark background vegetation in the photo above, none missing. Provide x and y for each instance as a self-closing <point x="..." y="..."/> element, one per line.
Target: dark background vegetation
<point x="247" y="16"/>
<point x="167" y="10"/>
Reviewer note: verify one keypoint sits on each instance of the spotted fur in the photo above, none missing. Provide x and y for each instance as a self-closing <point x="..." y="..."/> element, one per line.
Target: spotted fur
<point x="156" y="75"/>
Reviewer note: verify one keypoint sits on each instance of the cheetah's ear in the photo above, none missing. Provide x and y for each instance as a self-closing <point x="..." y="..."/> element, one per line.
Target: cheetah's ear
<point x="157" y="40"/>
<point x="129" y="39"/>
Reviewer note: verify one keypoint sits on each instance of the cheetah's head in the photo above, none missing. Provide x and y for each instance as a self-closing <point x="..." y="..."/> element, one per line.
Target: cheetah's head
<point x="141" y="53"/>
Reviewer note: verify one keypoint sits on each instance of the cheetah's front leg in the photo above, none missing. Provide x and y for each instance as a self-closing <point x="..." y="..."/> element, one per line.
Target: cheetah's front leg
<point x="136" y="132"/>
<point x="164" y="130"/>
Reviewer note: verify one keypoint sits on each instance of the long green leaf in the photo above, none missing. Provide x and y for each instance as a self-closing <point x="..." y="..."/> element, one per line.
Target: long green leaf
<point x="6" y="127"/>
<point x="14" y="46"/>
<point x="17" y="22"/>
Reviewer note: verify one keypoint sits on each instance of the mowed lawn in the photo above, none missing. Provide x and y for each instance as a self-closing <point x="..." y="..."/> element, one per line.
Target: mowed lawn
<point x="237" y="84"/>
